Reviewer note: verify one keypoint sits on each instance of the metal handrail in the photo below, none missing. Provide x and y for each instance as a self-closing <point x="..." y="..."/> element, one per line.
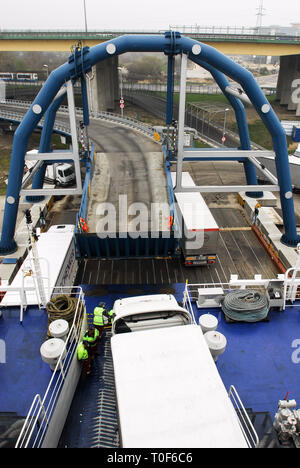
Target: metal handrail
<point x="186" y="302"/>
<point x="31" y="421"/>
<point x="41" y="409"/>
<point x="246" y="425"/>
<point x="291" y="284"/>
<point x="128" y="121"/>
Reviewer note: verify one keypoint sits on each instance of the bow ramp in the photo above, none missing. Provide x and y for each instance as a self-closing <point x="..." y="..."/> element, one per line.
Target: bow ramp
<point x="126" y="204"/>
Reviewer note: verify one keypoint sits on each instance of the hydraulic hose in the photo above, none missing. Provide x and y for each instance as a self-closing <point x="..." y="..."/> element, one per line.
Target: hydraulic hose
<point x="246" y="305"/>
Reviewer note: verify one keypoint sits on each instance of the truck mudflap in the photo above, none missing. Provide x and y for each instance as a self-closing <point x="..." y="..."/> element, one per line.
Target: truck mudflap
<point x="199" y="260"/>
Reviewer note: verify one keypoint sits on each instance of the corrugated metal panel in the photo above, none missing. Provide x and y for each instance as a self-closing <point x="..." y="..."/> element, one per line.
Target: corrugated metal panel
<point x="92" y="246"/>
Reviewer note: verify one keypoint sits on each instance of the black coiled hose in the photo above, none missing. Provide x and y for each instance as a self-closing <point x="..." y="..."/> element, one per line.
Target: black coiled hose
<point x="246" y="305"/>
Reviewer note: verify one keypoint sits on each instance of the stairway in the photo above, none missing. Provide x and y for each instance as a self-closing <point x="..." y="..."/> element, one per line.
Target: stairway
<point x="105" y="425"/>
<point x="263" y="425"/>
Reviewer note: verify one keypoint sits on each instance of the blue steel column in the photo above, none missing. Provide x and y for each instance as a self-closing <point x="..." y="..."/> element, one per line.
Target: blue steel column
<point x="241" y="119"/>
<point x="85" y="103"/>
<point x="170" y="98"/>
<point x="170" y="89"/>
<point x="45" y="145"/>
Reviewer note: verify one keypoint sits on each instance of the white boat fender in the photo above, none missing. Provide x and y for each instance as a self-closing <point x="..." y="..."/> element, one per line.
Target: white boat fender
<point x="216" y="343"/>
<point x="51" y="350"/>
<point x="208" y="322"/>
<point x="59" y="329"/>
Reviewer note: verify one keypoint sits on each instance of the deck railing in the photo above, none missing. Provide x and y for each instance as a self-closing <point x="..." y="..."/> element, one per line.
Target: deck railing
<point x="42" y="408"/>
<point x="243" y="418"/>
<point x="102" y="115"/>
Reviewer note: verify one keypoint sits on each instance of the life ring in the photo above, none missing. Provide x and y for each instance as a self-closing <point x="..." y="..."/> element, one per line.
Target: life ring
<point x="83" y="225"/>
<point x="170" y="222"/>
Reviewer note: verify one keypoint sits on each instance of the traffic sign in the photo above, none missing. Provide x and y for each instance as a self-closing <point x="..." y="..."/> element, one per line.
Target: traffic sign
<point x="122" y="106"/>
<point x="122" y="101"/>
<point x="156" y="136"/>
<point x="223" y="139"/>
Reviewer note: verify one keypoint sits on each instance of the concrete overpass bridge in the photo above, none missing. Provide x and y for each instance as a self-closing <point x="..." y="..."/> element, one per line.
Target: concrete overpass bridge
<point x="227" y="43"/>
<point x="103" y="85"/>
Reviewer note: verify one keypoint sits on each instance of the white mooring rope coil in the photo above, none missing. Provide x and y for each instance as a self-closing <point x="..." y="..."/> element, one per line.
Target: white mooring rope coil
<point x="246" y="305"/>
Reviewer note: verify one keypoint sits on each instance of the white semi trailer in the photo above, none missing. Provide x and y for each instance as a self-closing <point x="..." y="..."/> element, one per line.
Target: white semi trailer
<point x="200" y="232"/>
<point x="169" y="392"/>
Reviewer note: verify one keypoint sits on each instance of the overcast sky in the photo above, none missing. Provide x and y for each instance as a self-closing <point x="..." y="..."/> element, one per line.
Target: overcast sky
<point x="143" y="14"/>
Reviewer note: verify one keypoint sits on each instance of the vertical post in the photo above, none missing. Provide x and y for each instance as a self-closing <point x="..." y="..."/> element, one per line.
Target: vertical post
<point x="73" y="126"/>
<point x="86" y="116"/>
<point x="181" y="114"/>
<point x="85" y="102"/>
<point x="85" y="20"/>
<point x="170" y="89"/>
<point x="121" y="91"/>
<point x="170" y="95"/>
<point x="224" y="126"/>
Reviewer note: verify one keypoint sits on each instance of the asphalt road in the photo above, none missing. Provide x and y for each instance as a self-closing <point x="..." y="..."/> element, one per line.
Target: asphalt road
<point x="127" y="163"/>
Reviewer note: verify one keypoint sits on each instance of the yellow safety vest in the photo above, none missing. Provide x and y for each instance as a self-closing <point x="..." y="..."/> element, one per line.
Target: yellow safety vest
<point x="82" y="353"/>
<point x="98" y="317"/>
<point x="91" y="340"/>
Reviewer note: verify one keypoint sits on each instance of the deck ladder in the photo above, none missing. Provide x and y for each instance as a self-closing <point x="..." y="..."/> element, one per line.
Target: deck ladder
<point x="105" y="424"/>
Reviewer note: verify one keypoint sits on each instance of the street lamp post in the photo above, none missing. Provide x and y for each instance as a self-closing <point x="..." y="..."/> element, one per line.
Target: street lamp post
<point x="85" y="20"/>
<point x="224" y="127"/>
<point x="121" y="91"/>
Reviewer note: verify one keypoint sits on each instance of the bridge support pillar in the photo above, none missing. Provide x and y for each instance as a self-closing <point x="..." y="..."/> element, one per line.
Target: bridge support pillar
<point x="287" y="86"/>
<point x="103" y="87"/>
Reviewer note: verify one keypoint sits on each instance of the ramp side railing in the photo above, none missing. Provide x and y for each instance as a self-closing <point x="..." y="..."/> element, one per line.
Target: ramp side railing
<point x="102" y="115"/>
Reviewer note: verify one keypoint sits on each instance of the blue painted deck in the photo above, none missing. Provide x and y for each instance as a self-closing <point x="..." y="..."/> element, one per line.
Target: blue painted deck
<point x="23" y="374"/>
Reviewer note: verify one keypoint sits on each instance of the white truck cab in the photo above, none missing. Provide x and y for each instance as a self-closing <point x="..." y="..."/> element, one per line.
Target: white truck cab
<point x="148" y="312"/>
<point x="65" y="174"/>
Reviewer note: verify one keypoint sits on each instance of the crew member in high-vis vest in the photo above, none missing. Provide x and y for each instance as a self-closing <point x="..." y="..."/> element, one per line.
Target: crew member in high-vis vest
<point x="90" y="339"/>
<point x="111" y="315"/>
<point x="84" y="357"/>
<point x="100" y="319"/>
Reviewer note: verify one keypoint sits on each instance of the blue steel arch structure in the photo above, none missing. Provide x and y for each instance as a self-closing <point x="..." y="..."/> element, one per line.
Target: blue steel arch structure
<point x="171" y="43"/>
